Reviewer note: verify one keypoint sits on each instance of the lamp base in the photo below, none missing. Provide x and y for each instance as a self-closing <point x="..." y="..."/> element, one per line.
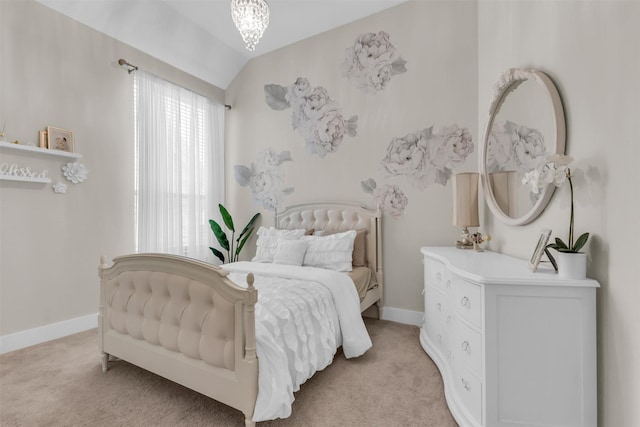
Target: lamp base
<point x="464" y="242"/>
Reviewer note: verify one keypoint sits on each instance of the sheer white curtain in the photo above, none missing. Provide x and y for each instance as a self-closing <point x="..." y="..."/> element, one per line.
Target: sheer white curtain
<point x="179" y="167"/>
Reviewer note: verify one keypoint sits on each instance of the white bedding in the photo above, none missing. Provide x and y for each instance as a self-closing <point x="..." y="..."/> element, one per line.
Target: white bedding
<point x="301" y="320"/>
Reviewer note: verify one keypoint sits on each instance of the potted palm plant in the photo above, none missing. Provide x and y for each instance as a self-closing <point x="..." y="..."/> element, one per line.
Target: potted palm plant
<point x="234" y="245"/>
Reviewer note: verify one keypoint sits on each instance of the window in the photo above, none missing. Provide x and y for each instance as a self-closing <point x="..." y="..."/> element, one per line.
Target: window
<point x="179" y="167"/>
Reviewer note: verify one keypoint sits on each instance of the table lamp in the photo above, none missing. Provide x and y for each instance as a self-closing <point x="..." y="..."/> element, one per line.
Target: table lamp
<point x="465" y="206"/>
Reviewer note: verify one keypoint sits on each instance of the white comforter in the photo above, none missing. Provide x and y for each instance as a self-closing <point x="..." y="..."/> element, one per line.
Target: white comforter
<point x="303" y="315"/>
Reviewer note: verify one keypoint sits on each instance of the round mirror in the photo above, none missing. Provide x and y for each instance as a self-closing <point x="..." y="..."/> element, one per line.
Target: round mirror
<point x="525" y="126"/>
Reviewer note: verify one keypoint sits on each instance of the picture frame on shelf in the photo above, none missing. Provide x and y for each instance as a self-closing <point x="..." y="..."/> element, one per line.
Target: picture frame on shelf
<point x="540" y="248"/>
<point x="60" y="139"/>
<point x="43" y="139"/>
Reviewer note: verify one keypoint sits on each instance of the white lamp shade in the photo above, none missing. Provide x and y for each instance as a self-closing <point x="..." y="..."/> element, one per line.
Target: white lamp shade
<point x="465" y="200"/>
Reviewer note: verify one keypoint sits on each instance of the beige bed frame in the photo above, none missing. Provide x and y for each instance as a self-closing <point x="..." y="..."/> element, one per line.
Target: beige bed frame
<point x="184" y="320"/>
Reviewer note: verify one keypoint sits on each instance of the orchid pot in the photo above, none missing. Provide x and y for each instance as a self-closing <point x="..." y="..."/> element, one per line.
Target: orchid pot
<point x="572" y="265"/>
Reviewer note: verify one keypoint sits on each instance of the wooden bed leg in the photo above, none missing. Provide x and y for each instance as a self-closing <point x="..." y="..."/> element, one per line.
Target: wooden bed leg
<point x="105" y="361"/>
<point x="379" y="305"/>
<point x="248" y="422"/>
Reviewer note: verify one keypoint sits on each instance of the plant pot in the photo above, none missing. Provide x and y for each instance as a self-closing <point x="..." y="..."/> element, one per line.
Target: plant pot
<point x="572" y="265"/>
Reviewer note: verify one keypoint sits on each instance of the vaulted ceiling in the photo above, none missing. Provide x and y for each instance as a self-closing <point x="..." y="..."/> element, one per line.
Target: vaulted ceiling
<point x="199" y="37"/>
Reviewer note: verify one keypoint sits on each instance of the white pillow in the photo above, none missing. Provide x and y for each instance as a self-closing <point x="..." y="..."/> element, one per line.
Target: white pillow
<point x="268" y="239"/>
<point x="334" y="252"/>
<point x="290" y="252"/>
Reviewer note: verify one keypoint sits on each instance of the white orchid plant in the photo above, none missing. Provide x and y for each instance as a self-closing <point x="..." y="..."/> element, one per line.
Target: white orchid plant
<point x="556" y="170"/>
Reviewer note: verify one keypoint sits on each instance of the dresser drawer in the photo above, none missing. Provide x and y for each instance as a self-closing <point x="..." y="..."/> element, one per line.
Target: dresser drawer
<point x="467" y="301"/>
<point x="469" y="389"/>
<point x="437" y="305"/>
<point x="434" y="273"/>
<point x="466" y="345"/>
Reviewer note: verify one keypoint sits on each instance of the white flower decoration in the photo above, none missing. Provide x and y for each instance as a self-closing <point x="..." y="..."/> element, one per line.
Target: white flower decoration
<point x="554" y="171"/>
<point x="75" y="172"/>
<point x="266" y="178"/>
<point x="60" y="187"/>
<point x="316" y="116"/>
<point x="428" y="156"/>
<point x="371" y="62"/>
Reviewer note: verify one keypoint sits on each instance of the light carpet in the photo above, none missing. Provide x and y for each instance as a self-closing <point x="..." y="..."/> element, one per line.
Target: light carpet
<point x="60" y="383"/>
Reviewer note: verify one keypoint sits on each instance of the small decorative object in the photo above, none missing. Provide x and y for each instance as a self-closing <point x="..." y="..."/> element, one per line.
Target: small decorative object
<point x="541" y="246"/>
<point x="371" y="62"/>
<point x="2" y="139"/>
<point x="465" y="206"/>
<point x="556" y="170"/>
<point x="251" y="18"/>
<point x="477" y="239"/>
<point x="60" y="187"/>
<point x="42" y="137"/>
<point x="223" y="240"/>
<point x="59" y="139"/>
<point x="75" y="172"/>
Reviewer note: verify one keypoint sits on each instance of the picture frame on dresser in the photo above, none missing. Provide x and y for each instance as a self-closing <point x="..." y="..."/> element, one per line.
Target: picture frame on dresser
<point x="541" y="247"/>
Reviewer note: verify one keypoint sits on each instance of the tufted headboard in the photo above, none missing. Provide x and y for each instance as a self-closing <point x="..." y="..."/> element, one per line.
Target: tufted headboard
<point x="336" y="217"/>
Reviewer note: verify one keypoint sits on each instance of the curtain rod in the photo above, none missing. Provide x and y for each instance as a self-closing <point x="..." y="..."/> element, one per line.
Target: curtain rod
<point x="131" y="68"/>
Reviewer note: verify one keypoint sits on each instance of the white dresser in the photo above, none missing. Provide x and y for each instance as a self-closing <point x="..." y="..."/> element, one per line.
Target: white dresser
<point x="514" y="348"/>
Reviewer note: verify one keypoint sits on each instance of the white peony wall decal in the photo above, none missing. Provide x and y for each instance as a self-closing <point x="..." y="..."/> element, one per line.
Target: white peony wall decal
<point x="75" y="172"/>
<point x="428" y="156"/>
<point x="371" y="62"/>
<point x="316" y="116"/>
<point x="266" y="178"/>
<point x="389" y="198"/>
<point x="513" y="147"/>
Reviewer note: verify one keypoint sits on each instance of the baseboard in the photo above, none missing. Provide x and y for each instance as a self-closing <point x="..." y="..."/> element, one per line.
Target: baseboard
<point x="45" y="333"/>
<point x="402" y="316"/>
<point x="53" y="331"/>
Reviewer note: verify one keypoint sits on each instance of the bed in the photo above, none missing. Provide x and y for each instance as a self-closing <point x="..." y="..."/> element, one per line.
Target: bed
<point x="201" y="325"/>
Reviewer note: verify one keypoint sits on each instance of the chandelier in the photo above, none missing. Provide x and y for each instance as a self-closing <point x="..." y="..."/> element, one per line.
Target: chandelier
<point x="251" y="18"/>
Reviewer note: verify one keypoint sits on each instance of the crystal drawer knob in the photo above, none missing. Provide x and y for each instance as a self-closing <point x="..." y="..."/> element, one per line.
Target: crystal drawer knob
<point x="466" y="347"/>
<point x="466" y="384"/>
<point x="465" y="302"/>
<point x="439" y="277"/>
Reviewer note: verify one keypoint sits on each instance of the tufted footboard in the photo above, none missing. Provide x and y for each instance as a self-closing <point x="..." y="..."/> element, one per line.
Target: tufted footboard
<point x="183" y="320"/>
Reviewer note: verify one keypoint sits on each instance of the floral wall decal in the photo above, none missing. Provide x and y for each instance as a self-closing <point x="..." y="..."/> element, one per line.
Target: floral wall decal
<point x="513" y="147"/>
<point x="316" y="116"/>
<point x="389" y="198"/>
<point x="428" y="156"/>
<point x="371" y="62"/>
<point x="75" y="172"/>
<point x="266" y="178"/>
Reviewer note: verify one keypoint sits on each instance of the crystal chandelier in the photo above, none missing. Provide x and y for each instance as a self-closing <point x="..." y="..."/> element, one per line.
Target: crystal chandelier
<point x="251" y="18"/>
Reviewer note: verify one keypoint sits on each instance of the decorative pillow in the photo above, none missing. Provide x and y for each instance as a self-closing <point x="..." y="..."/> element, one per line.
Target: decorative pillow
<point x="359" y="248"/>
<point x="268" y="239"/>
<point x="333" y="252"/>
<point x="290" y="252"/>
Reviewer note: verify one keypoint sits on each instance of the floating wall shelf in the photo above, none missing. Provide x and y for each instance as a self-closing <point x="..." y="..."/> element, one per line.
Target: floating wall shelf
<point x="29" y="149"/>
<point x="38" y="150"/>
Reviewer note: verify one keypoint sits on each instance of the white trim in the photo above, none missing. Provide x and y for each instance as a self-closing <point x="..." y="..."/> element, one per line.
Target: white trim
<point x="45" y="333"/>
<point x="53" y="331"/>
<point x="401" y="315"/>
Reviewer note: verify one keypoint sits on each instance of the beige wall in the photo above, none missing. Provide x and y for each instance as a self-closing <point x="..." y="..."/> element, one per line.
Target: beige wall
<point x="454" y="52"/>
<point x="438" y="41"/>
<point x="591" y="50"/>
<point x="55" y="71"/>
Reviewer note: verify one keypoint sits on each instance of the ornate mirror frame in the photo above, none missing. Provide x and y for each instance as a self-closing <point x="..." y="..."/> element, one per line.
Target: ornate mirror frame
<point x="508" y="81"/>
